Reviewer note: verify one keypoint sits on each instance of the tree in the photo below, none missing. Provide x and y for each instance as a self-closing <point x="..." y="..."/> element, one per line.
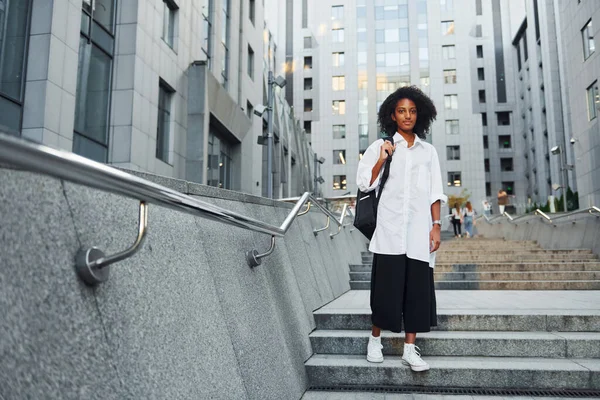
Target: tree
<point x="460" y="199"/>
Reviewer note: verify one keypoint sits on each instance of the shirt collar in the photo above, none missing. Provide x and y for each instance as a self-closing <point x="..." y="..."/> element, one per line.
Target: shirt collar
<point x="399" y="139"/>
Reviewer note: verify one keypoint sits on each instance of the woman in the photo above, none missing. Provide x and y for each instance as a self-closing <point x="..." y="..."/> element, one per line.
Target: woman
<point x="457" y="220"/>
<point x="469" y="215"/>
<point x="408" y="223"/>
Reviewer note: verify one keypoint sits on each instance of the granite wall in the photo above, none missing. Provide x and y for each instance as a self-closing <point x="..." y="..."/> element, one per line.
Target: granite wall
<point x="185" y="318"/>
<point x="580" y="231"/>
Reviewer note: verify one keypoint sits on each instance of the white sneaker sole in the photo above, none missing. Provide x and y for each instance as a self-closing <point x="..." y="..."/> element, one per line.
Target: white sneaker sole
<point x="416" y="368"/>
<point x="374" y="360"/>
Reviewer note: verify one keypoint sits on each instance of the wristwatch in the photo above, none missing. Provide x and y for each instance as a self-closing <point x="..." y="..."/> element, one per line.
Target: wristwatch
<point x="437" y="221"/>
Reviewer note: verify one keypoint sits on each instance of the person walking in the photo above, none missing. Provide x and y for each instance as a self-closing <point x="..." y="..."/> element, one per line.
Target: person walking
<point x="457" y="220"/>
<point x="408" y="223"/>
<point x="468" y="217"/>
<point x="502" y="200"/>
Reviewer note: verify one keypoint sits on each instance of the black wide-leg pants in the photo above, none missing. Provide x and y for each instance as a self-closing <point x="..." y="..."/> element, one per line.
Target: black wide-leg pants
<point x="402" y="291"/>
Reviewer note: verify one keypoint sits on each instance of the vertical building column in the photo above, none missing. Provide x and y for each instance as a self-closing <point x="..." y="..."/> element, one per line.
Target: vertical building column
<point x="51" y="77"/>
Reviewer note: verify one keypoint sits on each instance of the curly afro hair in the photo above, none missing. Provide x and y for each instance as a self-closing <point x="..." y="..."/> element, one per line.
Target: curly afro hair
<point x="426" y="111"/>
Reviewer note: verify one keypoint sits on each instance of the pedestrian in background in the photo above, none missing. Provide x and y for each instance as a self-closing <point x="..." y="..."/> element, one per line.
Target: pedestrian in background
<point x="469" y="218"/>
<point x="457" y="220"/>
<point x="502" y="200"/>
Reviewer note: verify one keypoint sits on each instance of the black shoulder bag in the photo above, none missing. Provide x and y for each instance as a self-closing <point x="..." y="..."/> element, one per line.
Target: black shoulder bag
<point x="365" y="218"/>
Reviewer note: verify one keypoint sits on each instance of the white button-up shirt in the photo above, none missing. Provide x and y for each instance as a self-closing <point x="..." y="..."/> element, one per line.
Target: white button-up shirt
<point x="404" y="213"/>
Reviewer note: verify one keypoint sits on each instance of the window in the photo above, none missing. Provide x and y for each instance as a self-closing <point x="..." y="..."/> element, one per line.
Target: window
<point x="361" y="11"/>
<point x="452" y="127"/>
<point x="308" y="42"/>
<point x="478" y="31"/>
<point x="339" y="131"/>
<point x="504" y="142"/>
<point x="339" y="157"/>
<point x="308" y="105"/>
<point x="454" y="179"/>
<point x="92" y="99"/>
<point x="450" y="76"/>
<point x="339" y="107"/>
<point x="593" y="100"/>
<point x="249" y="109"/>
<point x="225" y="44"/>
<point x="448" y="52"/>
<point x="486" y="165"/>
<point x="379" y="36"/>
<point x="220" y="161"/>
<point x="339" y="182"/>
<point x="453" y="152"/>
<point x="506" y="164"/>
<point x="485" y="142"/>
<point x="207" y="12"/>
<point x="337" y="35"/>
<point x="481" y="74"/>
<point x="363" y="137"/>
<point x="169" y="20"/>
<point x="308" y="83"/>
<point x="307" y="62"/>
<point x="250" y="62"/>
<point x="488" y="189"/>
<point x="337" y="59"/>
<point x="451" y="102"/>
<point x="14" y="37"/>
<point x="479" y="51"/>
<point x="163" y="129"/>
<point x="337" y="12"/>
<point x="392" y="35"/>
<point x="338" y="83"/>
<point x="252" y="11"/>
<point x="478" y="7"/>
<point x="484" y="119"/>
<point x="446" y="5"/>
<point x="503" y="118"/>
<point x="447" y="28"/>
<point x="587" y="34"/>
<point x="304" y="13"/>
<point x="509" y="187"/>
<point x="308" y="127"/>
<point x="482" y="96"/>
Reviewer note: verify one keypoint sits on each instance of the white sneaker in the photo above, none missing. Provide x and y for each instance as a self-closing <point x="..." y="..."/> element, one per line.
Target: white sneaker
<point x="374" y="347"/>
<point x="412" y="358"/>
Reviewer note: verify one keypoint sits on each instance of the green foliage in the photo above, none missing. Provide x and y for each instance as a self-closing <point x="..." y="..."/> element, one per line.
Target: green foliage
<point x="572" y="203"/>
<point x="460" y="199"/>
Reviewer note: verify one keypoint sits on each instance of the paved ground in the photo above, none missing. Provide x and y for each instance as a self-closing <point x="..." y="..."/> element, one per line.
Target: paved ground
<point x="577" y="302"/>
<point x="383" y="396"/>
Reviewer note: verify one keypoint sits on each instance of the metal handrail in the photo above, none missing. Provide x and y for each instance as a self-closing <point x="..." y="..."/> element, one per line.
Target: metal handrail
<point x="74" y="168"/>
<point x="341" y="222"/>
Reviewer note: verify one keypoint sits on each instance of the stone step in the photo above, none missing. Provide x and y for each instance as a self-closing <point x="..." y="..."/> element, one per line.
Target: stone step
<point x="461" y="343"/>
<point x="500" y="267"/>
<point x="498" y="372"/>
<point x="500" y="276"/>
<point x="472" y="259"/>
<point x="501" y="285"/>
<point x="583" y="320"/>
<point x="511" y="251"/>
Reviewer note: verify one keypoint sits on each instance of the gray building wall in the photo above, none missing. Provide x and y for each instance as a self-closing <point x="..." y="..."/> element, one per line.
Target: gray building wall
<point x="579" y="75"/>
<point x="185" y="318"/>
<point x="140" y="61"/>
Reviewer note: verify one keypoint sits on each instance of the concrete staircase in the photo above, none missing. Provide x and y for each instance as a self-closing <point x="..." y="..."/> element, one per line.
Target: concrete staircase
<point x="470" y="264"/>
<point x="491" y="339"/>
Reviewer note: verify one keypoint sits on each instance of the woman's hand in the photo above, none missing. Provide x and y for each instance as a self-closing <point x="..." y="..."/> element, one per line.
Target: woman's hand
<point x="434" y="238"/>
<point x="386" y="147"/>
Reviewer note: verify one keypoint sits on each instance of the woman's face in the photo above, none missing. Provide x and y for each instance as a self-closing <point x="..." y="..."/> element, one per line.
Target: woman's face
<point x="405" y="115"/>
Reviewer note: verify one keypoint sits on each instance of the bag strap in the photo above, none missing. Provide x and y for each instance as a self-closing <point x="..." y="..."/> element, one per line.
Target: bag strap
<point x="386" y="168"/>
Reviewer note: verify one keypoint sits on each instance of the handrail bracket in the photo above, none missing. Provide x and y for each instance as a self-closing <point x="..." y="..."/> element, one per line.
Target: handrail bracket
<point x="254" y="259"/>
<point x="92" y="265"/>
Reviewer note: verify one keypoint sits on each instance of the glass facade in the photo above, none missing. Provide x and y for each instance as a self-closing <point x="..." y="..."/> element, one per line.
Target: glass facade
<point x="220" y="161"/>
<point x="225" y="44"/>
<point x="14" y="32"/>
<point x="94" y="76"/>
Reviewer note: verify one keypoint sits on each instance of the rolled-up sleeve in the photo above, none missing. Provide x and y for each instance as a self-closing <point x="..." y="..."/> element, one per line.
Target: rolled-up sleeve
<point x="365" y="168"/>
<point x="437" y="188"/>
